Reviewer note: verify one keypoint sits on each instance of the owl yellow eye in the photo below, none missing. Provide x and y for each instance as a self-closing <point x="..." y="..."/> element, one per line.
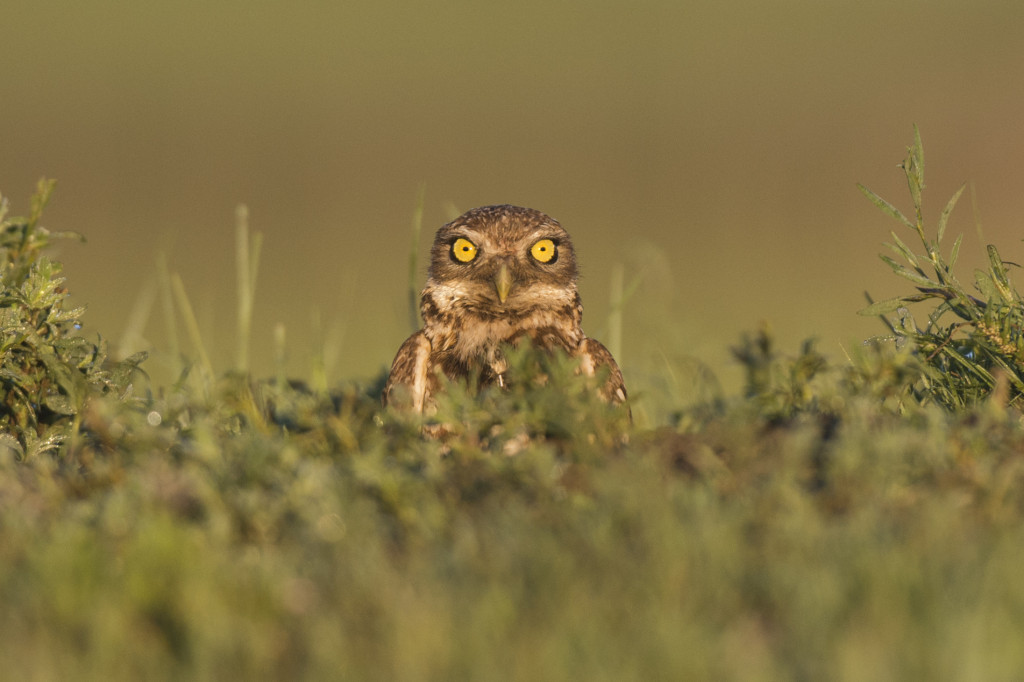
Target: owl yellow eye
<point x="544" y="251"/>
<point x="463" y="250"/>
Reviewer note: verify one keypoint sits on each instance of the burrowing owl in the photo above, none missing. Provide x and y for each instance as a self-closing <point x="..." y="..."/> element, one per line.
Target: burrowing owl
<point x="497" y="274"/>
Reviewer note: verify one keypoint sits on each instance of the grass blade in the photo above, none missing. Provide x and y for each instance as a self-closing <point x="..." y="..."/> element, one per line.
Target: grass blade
<point x="889" y="305"/>
<point x="44" y="190"/>
<point x="191" y="325"/>
<point x="903" y="271"/>
<point x="245" y="269"/>
<point x="414" y="249"/>
<point x="986" y="286"/>
<point x="903" y="250"/>
<point x="1000" y="278"/>
<point x="944" y="217"/>
<point x="615" y="316"/>
<point x="886" y="207"/>
<point x="955" y="253"/>
<point x="914" y="168"/>
<point x="166" y="288"/>
<point x="996" y="263"/>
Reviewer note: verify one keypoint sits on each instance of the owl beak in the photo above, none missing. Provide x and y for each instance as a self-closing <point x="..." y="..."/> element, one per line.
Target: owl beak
<point x="503" y="282"/>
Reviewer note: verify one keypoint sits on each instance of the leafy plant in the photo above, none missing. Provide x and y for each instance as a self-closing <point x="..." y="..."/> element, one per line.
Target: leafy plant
<point x="779" y="387"/>
<point x="971" y="344"/>
<point x="47" y="371"/>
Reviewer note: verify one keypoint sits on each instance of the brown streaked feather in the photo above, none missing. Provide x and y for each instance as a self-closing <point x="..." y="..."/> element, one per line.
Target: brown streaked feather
<point x="408" y="384"/>
<point x="593" y="356"/>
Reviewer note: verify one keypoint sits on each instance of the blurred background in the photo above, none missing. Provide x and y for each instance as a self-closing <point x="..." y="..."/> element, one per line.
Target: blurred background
<point x="709" y="147"/>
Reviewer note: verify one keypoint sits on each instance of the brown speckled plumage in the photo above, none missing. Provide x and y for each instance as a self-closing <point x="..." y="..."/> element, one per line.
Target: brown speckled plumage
<point x="470" y="309"/>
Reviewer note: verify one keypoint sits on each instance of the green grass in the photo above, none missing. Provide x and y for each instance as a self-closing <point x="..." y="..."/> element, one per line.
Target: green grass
<point x="840" y="521"/>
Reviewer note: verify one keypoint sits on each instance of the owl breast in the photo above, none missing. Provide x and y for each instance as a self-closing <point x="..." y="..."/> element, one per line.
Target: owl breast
<point x="466" y="329"/>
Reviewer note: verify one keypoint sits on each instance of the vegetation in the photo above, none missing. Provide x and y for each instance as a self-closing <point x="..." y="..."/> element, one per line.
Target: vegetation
<point x="967" y="358"/>
<point x="48" y="373"/>
<point x="850" y="521"/>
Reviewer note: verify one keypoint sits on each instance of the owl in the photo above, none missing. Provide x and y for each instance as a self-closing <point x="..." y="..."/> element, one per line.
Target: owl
<point x="498" y="274"/>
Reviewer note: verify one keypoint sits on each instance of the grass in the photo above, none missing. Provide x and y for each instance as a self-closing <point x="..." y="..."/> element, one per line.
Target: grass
<point x="837" y="521"/>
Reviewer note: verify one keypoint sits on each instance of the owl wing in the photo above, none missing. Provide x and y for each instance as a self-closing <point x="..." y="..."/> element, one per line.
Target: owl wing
<point x="407" y="386"/>
<point x="593" y="356"/>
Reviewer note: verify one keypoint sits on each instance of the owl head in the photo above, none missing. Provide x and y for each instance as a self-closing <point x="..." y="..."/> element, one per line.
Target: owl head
<point x="504" y="256"/>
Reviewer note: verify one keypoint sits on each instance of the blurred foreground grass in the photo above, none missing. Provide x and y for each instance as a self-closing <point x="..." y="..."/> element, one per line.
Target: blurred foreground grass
<point x="836" y="521"/>
<point x="849" y="542"/>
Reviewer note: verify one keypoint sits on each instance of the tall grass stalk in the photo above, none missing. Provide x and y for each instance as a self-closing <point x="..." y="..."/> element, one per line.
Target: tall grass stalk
<point x="619" y="295"/>
<point x="615" y="316"/>
<point x="191" y="326"/>
<point x="280" y="355"/>
<point x="166" y="289"/>
<point x="132" y="337"/>
<point x="414" y="250"/>
<point x="247" y="259"/>
<point x="318" y="368"/>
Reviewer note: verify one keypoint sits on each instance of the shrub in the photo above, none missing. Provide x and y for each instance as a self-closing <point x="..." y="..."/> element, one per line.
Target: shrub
<point x="971" y="344"/>
<point x="47" y="370"/>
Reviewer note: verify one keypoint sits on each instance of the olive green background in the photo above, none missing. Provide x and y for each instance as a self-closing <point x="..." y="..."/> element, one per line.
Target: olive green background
<point x="710" y="147"/>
